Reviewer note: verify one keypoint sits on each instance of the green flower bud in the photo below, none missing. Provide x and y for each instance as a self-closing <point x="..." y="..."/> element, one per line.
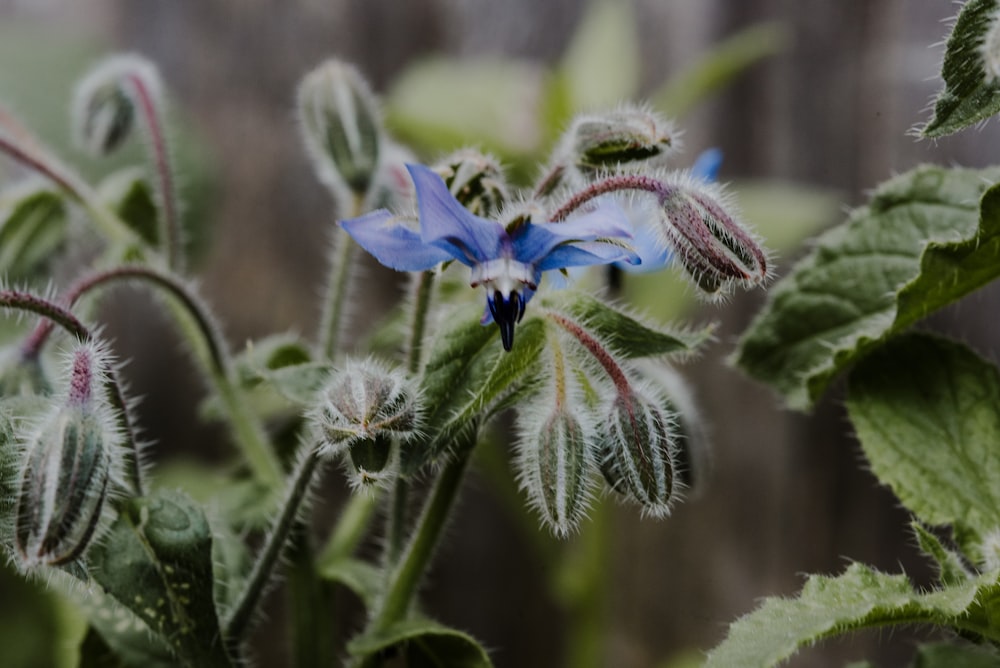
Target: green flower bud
<point x="103" y="107"/>
<point x="364" y="402"/>
<point x="476" y="180"/>
<point x="371" y="461"/>
<point x="555" y="464"/>
<point x="341" y="127"/>
<point x="639" y="451"/>
<point x="70" y="463"/>
<point x="629" y="134"/>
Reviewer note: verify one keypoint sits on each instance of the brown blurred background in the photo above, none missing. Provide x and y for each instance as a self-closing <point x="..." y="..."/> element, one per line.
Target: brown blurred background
<point x="789" y="494"/>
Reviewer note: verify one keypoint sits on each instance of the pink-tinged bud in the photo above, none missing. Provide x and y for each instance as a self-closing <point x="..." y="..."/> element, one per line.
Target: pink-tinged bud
<point x="476" y="180"/>
<point x="556" y="463"/>
<point x="627" y="135"/>
<point x="365" y="402"/>
<point x="707" y="238"/>
<point x="69" y="468"/>
<point x="103" y="107"/>
<point x="639" y="450"/>
<point x="341" y="126"/>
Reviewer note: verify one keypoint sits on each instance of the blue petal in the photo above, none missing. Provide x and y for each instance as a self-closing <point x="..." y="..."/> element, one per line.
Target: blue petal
<point x="655" y="255"/>
<point x="586" y="253"/>
<point x="448" y="225"/>
<point x="706" y="166"/>
<point x="533" y="242"/>
<point x="392" y="243"/>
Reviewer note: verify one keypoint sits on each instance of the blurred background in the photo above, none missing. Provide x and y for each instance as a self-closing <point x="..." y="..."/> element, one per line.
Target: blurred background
<point x="814" y="115"/>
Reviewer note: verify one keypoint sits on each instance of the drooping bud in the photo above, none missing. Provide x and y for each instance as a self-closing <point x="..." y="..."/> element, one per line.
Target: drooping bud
<point x="341" y="126"/>
<point x="363" y="403"/>
<point x="555" y="463"/>
<point x="639" y="451"/>
<point x="708" y="240"/>
<point x="68" y="470"/>
<point x="609" y="139"/>
<point x="103" y="107"/>
<point x="476" y="180"/>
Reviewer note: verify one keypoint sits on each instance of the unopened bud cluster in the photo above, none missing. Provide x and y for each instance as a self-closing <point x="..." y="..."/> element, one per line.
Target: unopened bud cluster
<point x="476" y="180"/>
<point x="625" y="135"/>
<point x="361" y="413"/>
<point x="341" y="126"/>
<point x="70" y="465"/>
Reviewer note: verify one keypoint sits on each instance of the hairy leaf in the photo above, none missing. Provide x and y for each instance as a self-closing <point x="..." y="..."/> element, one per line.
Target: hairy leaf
<point x="927" y="412"/>
<point x="157" y="561"/>
<point x="922" y="242"/>
<point x="33" y="226"/>
<point x="859" y="598"/>
<point x="361" y="577"/>
<point x="951" y="569"/>
<point x="424" y="643"/>
<point x="971" y="85"/>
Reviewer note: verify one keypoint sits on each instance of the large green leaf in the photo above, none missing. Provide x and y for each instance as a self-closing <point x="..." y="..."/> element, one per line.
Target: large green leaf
<point x="157" y="561"/>
<point x="859" y="598"/>
<point x="33" y="224"/>
<point x="971" y="85"/>
<point x="927" y="412"/>
<point x="423" y="644"/>
<point x="921" y="243"/>
<point x="943" y="655"/>
<point x="468" y="376"/>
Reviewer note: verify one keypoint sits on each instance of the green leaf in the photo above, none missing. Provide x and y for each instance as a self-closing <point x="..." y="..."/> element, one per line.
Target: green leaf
<point x="601" y="66"/>
<point x="927" y="413"/>
<point x="951" y="569"/>
<point x="859" y="598"/>
<point x="468" y="375"/>
<point x="920" y="244"/>
<point x="971" y="93"/>
<point x="157" y="561"/>
<point x="33" y="226"/>
<point x="718" y="67"/>
<point x="424" y="644"/>
<point x="361" y="577"/>
<point x="128" y="194"/>
<point x="946" y="655"/>
<point x="629" y="337"/>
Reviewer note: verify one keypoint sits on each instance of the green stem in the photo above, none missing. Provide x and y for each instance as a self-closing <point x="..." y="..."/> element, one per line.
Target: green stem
<point x="407" y="574"/>
<point x="338" y="285"/>
<point x="263" y="570"/>
<point x="418" y="321"/>
<point x="351" y="527"/>
<point x="311" y="613"/>
<point x="396" y="525"/>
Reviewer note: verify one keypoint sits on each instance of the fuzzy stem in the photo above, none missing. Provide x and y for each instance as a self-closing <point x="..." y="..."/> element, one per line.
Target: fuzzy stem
<point x="246" y="428"/>
<point x="396" y="522"/>
<point x="350" y="529"/>
<point x="610" y="185"/>
<point x="310" y="599"/>
<point x="338" y="284"/>
<point x="263" y="570"/>
<point x="170" y="228"/>
<point x="79" y="192"/>
<point x="407" y="574"/>
<point x="418" y="322"/>
<point x="23" y="301"/>
<point x="595" y="348"/>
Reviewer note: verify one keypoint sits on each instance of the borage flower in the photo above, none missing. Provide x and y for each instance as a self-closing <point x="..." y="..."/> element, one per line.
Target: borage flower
<point x="507" y="261"/>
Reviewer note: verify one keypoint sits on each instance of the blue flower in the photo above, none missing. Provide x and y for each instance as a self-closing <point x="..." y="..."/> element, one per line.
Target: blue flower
<point x="507" y="262"/>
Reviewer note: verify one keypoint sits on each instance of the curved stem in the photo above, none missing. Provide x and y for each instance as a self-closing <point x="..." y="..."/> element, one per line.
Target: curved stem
<point x="595" y="348"/>
<point x="170" y="228"/>
<point x="610" y="185"/>
<point x="263" y="570"/>
<point x="23" y="301"/>
<point x="337" y="288"/>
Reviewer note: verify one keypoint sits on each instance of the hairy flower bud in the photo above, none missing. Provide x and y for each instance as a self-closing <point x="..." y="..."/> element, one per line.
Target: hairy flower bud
<point x="555" y="464"/>
<point x="629" y="134"/>
<point x="372" y="461"/>
<point x="364" y="402"/>
<point x="639" y="452"/>
<point x="475" y="180"/>
<point x="340" y="126"/>
<point x="103" y="107"/>
<point x="707" y="239"/>
<point x="68" y="470"/>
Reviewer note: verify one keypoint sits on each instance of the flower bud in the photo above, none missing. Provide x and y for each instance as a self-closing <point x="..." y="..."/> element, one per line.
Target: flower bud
<point x="372" y="461"/>
<point x="639" y="452"/>
<point x="629" y="134"/>
<point x="555" y="465"/>
<point x="475" y="179"/>
<point x="709" y="242"/>
<point x="340" y="126"/>
<point x="103" y="107"/>
<point x="67" y="471"/>
<point x="365" y="402"/>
